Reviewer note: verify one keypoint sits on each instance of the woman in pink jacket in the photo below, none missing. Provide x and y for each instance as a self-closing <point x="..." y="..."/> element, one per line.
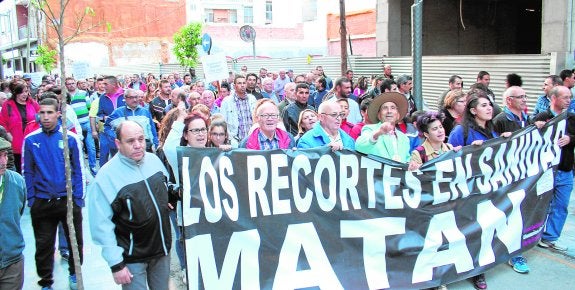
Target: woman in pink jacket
<point x="16" y="113"/>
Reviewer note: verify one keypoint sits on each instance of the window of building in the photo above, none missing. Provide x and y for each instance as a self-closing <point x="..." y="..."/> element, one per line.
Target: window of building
<point x="233" y="15"/>
<point x="210" y="15"/>
<point x="269" y="14"/>
<point x="309" y="12"/>
<point x="248" y="14"/>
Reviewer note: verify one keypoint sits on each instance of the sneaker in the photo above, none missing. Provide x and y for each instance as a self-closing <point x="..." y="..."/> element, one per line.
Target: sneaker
<point x="479" y="282"/>
<point x="519" y="264"/>
<point x="551" y="245"/>
<point x="65" y="255"/>
<point x="184" y="277"/>
<point x="73" y="282"/>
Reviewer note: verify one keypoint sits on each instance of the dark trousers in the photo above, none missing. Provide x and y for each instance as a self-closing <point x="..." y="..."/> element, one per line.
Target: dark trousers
<point x="46" y="214"/>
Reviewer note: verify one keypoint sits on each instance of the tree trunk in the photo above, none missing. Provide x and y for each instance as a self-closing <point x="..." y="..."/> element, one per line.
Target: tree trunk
<point x="70" y="200"/>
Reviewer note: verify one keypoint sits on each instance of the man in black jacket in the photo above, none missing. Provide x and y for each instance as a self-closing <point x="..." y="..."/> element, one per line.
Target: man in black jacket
<point x="290" y="115"/>
<point x="563" y="185"/>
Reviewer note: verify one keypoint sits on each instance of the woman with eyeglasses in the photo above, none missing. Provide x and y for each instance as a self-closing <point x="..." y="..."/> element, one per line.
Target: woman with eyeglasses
<point x="267" y="135"/>
<point x="218" y="135"/>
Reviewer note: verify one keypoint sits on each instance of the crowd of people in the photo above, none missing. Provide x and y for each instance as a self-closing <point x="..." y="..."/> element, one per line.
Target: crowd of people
<point x="130" y="126"/>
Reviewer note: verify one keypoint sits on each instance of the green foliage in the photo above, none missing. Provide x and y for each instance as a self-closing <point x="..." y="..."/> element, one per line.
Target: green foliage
<point x="46" y="57"/>
<point x="185" y="44"/>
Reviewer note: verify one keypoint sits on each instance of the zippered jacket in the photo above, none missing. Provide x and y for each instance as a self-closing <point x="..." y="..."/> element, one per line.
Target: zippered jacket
<point x="128" y="210"/>
<point x="43" y="165"/>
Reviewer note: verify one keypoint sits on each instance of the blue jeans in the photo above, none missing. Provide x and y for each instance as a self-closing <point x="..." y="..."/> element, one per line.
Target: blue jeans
<point x="107" y="149"/>
<point x="90" y="144"/>
<point x="558" y="208"/>
<point x="179" y="240"/>
<point x="154" y="274"/>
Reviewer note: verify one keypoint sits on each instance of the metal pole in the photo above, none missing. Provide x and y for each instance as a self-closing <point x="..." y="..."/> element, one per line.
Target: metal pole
<point x="254" y="47"/>
<point x="342" y="36"/>
<point x="416" y="50"/>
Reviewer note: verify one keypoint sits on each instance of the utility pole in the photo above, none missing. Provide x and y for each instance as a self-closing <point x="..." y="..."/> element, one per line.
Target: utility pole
<point x="342" y="36"/>
<point x="417" y="50"/>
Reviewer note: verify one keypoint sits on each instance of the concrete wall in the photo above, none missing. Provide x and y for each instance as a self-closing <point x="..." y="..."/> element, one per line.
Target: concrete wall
<point x="485" y="27"/>
<point x="557" y="32"/>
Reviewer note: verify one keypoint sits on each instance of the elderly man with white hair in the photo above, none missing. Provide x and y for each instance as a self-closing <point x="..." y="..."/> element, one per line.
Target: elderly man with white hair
<point x="327" y="131"/>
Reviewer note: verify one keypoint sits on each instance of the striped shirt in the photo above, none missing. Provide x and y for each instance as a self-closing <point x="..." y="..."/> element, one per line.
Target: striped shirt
<point x="80" y="106"/>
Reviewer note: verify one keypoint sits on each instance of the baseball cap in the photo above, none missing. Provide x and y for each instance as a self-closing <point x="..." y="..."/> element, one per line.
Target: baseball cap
<point x="27" y="77"/>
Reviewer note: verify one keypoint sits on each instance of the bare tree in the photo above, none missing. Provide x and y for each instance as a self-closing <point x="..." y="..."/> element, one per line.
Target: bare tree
<point x="55" y="21"/>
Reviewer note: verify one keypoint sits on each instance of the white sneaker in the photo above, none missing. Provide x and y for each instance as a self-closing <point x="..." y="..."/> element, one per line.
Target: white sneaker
<point x="184" y="277"/>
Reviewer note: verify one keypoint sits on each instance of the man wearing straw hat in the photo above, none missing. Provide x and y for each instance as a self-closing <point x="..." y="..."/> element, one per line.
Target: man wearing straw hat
<point x="381" y="138"/>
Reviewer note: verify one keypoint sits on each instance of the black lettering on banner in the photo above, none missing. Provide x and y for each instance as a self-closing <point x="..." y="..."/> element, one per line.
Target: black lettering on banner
<point x="314" y="218"/>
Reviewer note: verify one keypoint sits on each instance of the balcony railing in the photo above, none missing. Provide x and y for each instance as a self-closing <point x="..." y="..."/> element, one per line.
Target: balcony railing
<point x="23" y="30"/>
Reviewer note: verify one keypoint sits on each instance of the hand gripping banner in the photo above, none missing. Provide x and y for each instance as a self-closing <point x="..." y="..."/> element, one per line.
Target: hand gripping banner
<point x="288" y="219"/>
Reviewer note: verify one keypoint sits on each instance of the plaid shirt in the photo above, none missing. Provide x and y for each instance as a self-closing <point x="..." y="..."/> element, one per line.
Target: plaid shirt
<point x="244" y="116"/>
<point x="268" y="144"/>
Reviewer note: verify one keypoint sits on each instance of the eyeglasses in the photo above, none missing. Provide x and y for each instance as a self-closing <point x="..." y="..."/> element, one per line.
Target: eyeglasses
<point x="214" y="134"/>
<point x="335" y="115"/>
<point x="268" y="116"/>
<point x="131" y="97"/>
<point x="519" y="97"/>
<point x="197" y="131"/>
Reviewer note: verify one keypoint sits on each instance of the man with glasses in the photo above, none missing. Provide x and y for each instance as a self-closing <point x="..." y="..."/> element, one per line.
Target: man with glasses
<point x="267" y="136"/>
<point x="563" y="183"/>
<point x="327" y="131"/>
<point x="513" y="118"/>
<point x="133" y="111"/>
<point x="381" y="138"/>
<point x="290" y="115"/>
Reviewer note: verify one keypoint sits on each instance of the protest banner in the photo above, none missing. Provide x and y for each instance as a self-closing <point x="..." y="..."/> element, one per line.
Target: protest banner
<point x="288" y="219"/>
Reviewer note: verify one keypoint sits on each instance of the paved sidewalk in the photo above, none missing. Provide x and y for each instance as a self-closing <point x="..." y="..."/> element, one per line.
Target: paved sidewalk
<point x="549" y="270"/>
